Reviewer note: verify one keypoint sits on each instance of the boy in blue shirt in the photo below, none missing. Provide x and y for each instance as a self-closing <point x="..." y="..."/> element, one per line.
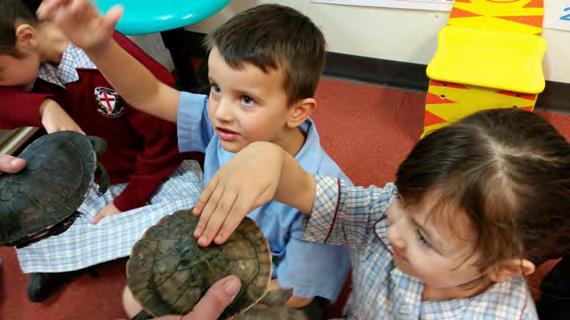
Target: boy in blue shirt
<point x="264" y="67"/>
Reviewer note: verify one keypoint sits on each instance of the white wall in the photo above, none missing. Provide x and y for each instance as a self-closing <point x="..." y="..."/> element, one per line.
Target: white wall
<point x="392" y="34"/>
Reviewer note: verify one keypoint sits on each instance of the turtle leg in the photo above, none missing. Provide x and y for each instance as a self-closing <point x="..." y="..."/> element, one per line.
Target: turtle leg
<point x="276" y="297"/>
<point x="102" y="178"/>
<point x="141" y="316"/>
<point x="99" y="144"/>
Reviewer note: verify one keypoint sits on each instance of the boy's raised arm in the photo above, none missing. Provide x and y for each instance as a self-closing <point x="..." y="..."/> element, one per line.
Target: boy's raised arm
<point x="87" y="29"/>
<point x="260" y="172"/>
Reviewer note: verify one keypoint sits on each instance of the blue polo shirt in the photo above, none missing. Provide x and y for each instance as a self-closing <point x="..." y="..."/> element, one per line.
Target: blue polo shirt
<point x="311" y="269"/>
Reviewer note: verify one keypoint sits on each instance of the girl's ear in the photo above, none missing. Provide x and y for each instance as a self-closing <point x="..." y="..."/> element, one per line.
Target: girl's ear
<point x="26" y="37"/>
<point x="301" y="111"/>
<point x="509" y="268"/>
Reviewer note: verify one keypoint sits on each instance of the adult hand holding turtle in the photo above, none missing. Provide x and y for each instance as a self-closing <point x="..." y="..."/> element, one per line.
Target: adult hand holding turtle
<point x="10" y="164"/>
<point x="210" y="307"/>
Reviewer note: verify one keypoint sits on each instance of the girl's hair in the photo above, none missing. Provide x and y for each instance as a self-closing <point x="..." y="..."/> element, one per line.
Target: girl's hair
<point x="509" y="170"/>
<point x="12" y="13"/>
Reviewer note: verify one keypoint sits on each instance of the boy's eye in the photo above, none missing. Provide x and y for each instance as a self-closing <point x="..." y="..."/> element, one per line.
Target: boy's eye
<point x="248" y="101"/>
<point x="215" y="88"/>
<point x="422" y="239"/>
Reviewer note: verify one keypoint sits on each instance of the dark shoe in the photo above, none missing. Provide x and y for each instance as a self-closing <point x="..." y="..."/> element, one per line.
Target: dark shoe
<point x="42" y="285"/>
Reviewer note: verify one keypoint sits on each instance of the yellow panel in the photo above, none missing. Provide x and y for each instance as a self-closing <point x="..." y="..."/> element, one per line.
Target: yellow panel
<point x="464" y="101"/>
<point x="488" y="22"/>
<point x="488" y="58"/>
<point x="479" y="97"/>
<point x="491" y="65"/>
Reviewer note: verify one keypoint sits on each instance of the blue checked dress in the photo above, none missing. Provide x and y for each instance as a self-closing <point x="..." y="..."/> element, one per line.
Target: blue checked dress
<point x="85" y="244"/>
<point x="355" y="217"/>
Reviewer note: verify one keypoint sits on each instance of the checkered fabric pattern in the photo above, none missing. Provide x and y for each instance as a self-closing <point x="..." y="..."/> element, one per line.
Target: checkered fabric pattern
<point x="73" y="58"/>
<point x="85" y="244"/>
<point x="355" y="217"/>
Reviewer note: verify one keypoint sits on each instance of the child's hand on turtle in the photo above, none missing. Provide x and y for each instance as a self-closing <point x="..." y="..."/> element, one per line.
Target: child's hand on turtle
<point x="246" y="182"/>
<point x="81" y="21"/>
<point x="54" y="118"/>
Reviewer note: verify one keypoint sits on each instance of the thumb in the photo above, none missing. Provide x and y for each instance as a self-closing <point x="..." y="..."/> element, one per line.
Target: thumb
<point x="218" y="297"/>
<point x="10" y="164"/>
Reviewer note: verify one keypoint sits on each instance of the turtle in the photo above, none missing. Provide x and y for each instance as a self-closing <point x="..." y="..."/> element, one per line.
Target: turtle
<point x="272" y="306"/>
<point x="42" y="199"/>
<point x="168" y="272"/>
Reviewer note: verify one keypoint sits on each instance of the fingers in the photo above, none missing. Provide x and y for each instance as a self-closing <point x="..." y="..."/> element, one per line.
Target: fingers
<point x="218" y="218"/>
<point x="112" y="17"/>
<point x="213" y="215"/>
<point x="205" y="197"/>
<point x="10" y="164"/>
<point x="52" y="129"/>
<point x="47" y="8"/>
<point x="241" y="206"/>
<point x="218" y="297"/>
<point x="208" y="210"/>
<point x="98" y="217"/>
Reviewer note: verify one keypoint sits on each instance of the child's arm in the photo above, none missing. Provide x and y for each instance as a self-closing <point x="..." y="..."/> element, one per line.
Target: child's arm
<point x="159" y="157"/>
<point x="270" y="173"/>
<point x="54" y="118"/>
<point x="20" y="109"/>
<point x="339" y="214"/>
<point x="90" y="31"/>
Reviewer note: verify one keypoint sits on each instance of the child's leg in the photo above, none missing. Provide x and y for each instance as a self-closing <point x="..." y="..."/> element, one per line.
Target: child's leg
<point x="131" y="306"/>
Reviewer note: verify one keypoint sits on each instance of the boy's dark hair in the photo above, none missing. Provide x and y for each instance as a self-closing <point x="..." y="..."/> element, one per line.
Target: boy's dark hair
<point x="273" y="36"/>
<point x="13" y="12"/>
<point x="509" y="170"/>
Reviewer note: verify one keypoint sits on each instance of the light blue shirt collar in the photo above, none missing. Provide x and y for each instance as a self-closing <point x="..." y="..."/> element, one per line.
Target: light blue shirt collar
<point x="73" y="58"/>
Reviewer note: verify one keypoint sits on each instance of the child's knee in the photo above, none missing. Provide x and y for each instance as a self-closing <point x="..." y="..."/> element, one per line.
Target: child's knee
<point x="131" y="306"/>
<point x="296" y="302"/>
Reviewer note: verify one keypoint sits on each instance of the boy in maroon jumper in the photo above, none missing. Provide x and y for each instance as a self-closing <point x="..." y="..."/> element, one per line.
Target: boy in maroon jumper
<point x="45" y="81"/>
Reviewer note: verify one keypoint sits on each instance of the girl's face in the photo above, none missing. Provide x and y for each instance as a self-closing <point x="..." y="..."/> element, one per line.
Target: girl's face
<point x="430" y="248"/>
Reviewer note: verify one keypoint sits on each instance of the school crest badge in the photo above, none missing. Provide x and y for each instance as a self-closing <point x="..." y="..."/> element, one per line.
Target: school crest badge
<point x="109" y="102"/>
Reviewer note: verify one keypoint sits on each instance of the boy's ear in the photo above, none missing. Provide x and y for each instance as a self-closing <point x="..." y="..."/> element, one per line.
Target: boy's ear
<point x="506" y="269"/>
<point x="26" y="36"/>
<point x="301" y="111"/>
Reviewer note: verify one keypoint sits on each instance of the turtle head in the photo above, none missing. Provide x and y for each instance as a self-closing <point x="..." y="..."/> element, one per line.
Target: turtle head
<point x="99" y="144"/>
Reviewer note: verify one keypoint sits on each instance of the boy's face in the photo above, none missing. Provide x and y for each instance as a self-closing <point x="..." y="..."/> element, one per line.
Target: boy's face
<point x="426" y="247"/>
<point x="19" y="72"/>
<point x="246" y="104"/>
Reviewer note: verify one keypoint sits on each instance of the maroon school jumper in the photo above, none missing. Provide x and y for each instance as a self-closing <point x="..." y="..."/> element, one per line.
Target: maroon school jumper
<point x="142" y="149"/>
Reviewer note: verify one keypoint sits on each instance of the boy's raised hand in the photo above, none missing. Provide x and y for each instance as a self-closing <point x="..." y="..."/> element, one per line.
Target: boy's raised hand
<point x="247" y="181"/>
<point x="81" y="22"/>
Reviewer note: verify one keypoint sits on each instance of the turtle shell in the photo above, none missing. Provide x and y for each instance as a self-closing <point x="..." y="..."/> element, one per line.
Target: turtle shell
<point x="168" y="272"/>
<point x="60" y="168"/>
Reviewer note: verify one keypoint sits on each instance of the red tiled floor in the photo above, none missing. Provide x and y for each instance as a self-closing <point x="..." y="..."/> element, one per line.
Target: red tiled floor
<point x="367" y="129"/>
